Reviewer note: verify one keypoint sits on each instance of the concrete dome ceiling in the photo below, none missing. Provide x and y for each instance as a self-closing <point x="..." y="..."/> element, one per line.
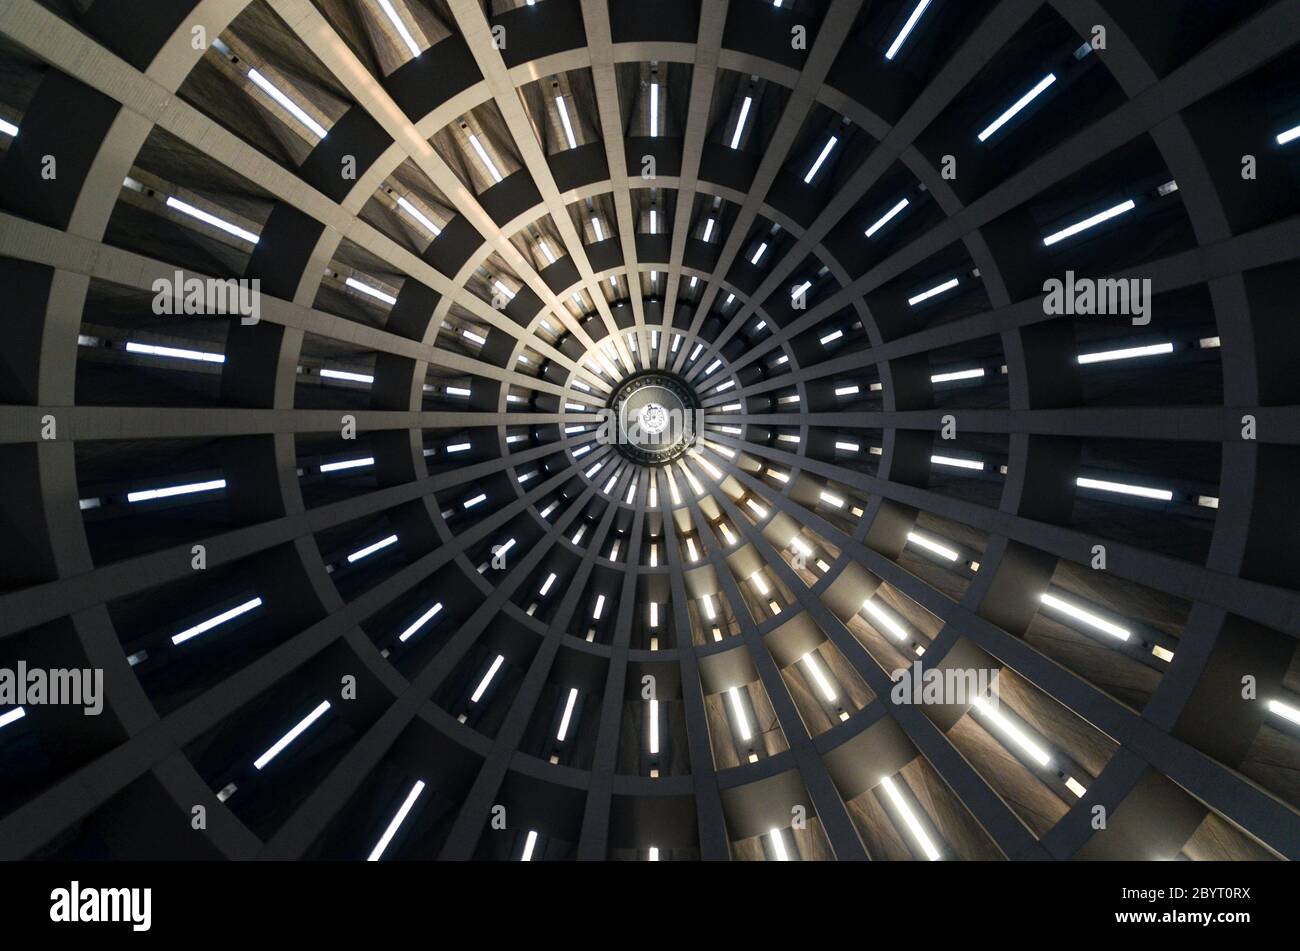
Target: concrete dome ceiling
<point x="327" y="321"/>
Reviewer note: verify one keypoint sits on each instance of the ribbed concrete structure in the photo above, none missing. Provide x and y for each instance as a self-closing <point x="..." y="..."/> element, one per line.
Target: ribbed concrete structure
<point x="364" y="575"/>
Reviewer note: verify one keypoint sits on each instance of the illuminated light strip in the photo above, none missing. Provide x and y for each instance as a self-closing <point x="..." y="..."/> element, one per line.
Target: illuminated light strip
<point x="738" y="709"/>
<point x="823" y="684"/>
<point x="1091" y="222"/>
<point x="411" y="45"/>
<point x="909" y="818"/>
<point x="778" y="845"/>
<point x="481" y="497"/>
<point x="530" y="843"/>
<point x="346" y="375"/>
<point x="484" y="157"/>
<point x="201" y="215"/>
<point x="600" y="606"/>
<point x="564" y="120"/>
<point x="1013" y="732"/>
<point x="156" y="351"/>
<point x="487" y="679"/>
<point x="934" y="291"/>
<point x="826" y="150"/>
<point x="148" y="495"/>
<point x="654" y="727"/>
<point x="422" y="620"/>
<point x="708" y="229"/>
<point x="884" y="619"/>
<point x="1121" y="488"/>
<point x="10" y="716"/>
<point x="8" y="128"/>
<point x="212" y="622"/>
<point x="505" y="291"/>
<point x="654" y="854"/>
<point x="654" y="110"/>
<point x="290" y="106"/>
<point x="371" y="549"/>
<point x="600" y="232"/>
<point x="546" y="251"/>
<point x="457" y="391"/>
<point x="1087" y="617"/>
<point x="957" y="463"/>
<point x="906" y="30"/>
<point x="802" y="547"/>
<point x="1284" y="710"/>
<point x="932" y="546"/>
<point x="419" y="216"/>
<point x="887" y="217"/>
<point x="1020" y="104"/>
<point x="292" y="735"/>
<point x="957" y="375"/>
<point x="848" y="447"/>
<point x="740" y="124"/>
<point x="369" y="291"/>
<point x="347" y="464"/>
<point x="846" y="390"/>
<point x="1126" y="354"/>
<point x="831" y="337"/>
<point x="568" y="715"/>
<point x="1290" y="135"/>
<point x="402" y="812"/>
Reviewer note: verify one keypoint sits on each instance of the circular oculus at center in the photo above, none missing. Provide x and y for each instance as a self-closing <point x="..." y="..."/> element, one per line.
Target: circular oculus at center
<point x="655" y="416"/>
